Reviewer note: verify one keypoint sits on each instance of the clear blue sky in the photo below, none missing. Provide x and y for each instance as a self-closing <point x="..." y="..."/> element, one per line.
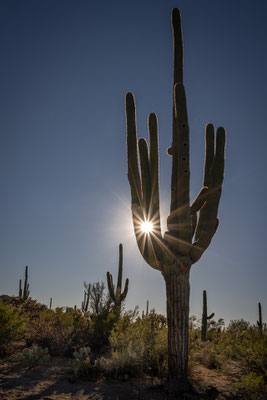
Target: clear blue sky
<point x="65" y="198"/>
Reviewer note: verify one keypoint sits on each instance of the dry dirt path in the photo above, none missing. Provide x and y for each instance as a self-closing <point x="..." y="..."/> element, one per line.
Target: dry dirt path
<point x="51" y="382"/>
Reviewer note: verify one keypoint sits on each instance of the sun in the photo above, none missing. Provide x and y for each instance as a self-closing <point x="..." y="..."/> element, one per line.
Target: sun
<point x="147" y="227"/>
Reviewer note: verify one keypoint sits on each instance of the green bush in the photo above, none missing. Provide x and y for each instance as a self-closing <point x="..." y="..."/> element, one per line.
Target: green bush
<point x="253" y="386"/>
<point x="12" y="326"/>
<point x="143" y="341"/>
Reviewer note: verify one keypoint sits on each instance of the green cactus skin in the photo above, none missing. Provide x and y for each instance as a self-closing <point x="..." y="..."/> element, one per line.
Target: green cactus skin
<point x="117" y="296"/>
<point x="190" y="228"/>
<point x="32" y="357"/>
<point x="259" y="322"/>
<point x="205" y="318"/>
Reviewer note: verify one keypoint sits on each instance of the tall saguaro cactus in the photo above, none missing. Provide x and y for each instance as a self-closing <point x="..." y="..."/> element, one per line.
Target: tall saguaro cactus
<point x="188" y="234"/>
<point x="205" y="318"/>
<point x="117" y="296"/>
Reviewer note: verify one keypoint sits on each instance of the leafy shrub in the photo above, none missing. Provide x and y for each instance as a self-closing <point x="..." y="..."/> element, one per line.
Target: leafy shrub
<point x="238" y="325"/>
<point x="143" y="341"/>
<point x="52" y="329"/>
<point x="121" y="364"/>
<point x="252" y="386"/>
<point x="12" y="325"/>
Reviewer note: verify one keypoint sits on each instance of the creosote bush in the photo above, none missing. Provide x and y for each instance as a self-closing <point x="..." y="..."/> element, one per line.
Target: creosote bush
<point x="13" y="326"/>
<point x="144" y="341"/>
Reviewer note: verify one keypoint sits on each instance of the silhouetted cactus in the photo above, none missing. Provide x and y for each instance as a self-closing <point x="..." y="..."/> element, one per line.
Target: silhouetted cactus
<point x="147" y="305"/>
<point x="85" y="303"/>
<point x="188" y="235"/>
<point x="50" y="305"/>
<point x="26" y="292"/>
<point x="205" y="318"/>
<point x="20" y="289"/>
<point x="117" y="296"/>
<point x="259" y="322"/>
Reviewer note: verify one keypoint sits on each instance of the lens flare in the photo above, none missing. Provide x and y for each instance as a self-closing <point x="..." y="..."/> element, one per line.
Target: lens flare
<point x="147" y="227"/>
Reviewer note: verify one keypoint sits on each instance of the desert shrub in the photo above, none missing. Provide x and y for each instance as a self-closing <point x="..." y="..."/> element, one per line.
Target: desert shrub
<point x="238" y="325"/>
<point x="143" y="341"/>
<point x="205" y="353"/>
<point x="54" y="330"/>
<point x="102" y="325"/>
<point x="121" y="364"/>
<point x="12" y="325"/>
<point x="253" y="386"/>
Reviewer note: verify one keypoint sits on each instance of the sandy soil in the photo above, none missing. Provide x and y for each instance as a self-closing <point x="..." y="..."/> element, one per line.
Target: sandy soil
<point x="52" y="382"/>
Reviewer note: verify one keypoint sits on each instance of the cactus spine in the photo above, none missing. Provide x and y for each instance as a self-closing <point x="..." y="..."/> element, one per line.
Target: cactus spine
<point x="188" y="234"/>
<point x="117" y="296"/>
<point x="205" y="318"/>
<point x="259" y="322"/>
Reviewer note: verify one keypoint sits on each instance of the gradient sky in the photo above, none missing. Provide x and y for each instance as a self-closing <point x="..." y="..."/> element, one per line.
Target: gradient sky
<point x="65" y="200"/>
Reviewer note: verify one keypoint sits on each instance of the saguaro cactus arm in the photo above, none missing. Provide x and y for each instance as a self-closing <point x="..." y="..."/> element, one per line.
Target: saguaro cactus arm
<point x="182" y="222"/>
<point x="213" y="178"/>
<point x="116" y="295"/>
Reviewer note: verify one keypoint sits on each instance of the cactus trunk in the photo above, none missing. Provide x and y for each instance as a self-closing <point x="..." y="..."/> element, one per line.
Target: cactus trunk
<point x="205" y="318"/>
<point x="259" y="322"/>
<point x="177" y="293"/>
<point x="20" y="289"/>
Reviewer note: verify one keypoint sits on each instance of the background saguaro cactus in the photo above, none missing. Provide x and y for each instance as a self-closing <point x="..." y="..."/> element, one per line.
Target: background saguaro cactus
<point x="87" y="292"/>
<point x="25" y="292"/>
<point x="205" y="318"/>
<point x="116" y="295"/>
<point x="188" y="234"/>
<point x="259" y="322"/>
<point x="20" y="289"/>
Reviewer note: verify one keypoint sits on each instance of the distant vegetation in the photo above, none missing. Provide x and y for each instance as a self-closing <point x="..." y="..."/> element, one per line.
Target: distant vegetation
<point x="103" y="342"/>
